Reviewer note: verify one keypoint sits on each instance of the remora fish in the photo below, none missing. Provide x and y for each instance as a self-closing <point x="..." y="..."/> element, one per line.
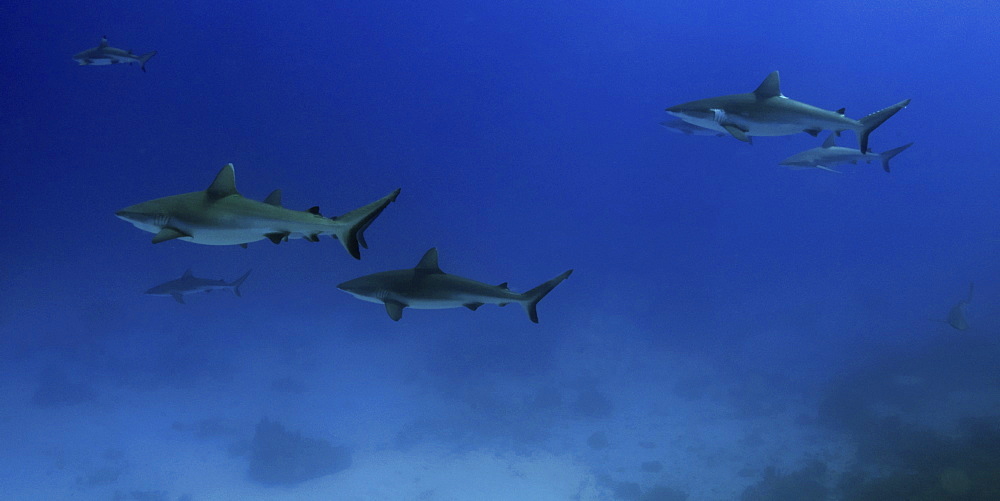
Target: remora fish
<point x="219" y="215"/>
<point x="104" y="54"/>
<point x="767" y="112"/>
<point x="190" y="284"/>
<point x="426" y="287"/>
<point x="831" y="154"/>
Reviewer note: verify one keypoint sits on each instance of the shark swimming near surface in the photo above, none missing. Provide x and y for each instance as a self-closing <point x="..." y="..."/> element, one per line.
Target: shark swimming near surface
<point x="104" y="54"/>
<point x="830" y="154"/>
<point x="767" y="112"/>
<point x="427" y="287"/>
<point x="219" y="215"/>
<point x="190" y="284"/>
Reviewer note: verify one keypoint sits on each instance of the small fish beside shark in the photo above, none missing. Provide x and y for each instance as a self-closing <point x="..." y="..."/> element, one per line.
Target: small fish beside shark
<point x="830" y="154"/>
<point x="104" y="54"/>
<point x="190" y="284"/>
<point x="426" y="287"/>
<point x="767" y="112"/>
<point x="219" y="215"/>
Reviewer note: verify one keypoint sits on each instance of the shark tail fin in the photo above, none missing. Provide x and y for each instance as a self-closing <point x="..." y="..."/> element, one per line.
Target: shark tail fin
<point x="532" y="297"/>
<point x="887" y="155"/>
<point x="352" y="233"/>
<point x="145" y="57"/>
<point x="238" y="282"/>
<point x="872" y="121"/>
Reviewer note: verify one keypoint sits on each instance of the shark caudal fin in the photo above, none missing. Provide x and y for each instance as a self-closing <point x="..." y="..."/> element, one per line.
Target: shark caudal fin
<point x="887" y="155"/>
<point x="871" y="122"/>
<point x="352" y="233"/>
<point x="145" y="57"/>
<point x="532" y="297"/>
<point x="238" y="282"/>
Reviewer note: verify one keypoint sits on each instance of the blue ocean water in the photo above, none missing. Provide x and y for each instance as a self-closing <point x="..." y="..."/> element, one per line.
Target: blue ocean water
<point x="733" y="329"/>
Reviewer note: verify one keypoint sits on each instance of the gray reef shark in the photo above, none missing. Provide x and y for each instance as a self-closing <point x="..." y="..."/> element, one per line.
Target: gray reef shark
<point x="426" y="287"/>
<point x="104" y="54"/>
<point x="767" y="112"/>
<point x="190" y="284"/>
<point x="831" y="154"/>
<point x="219" y="215"/>
<point x="690" y="129"/>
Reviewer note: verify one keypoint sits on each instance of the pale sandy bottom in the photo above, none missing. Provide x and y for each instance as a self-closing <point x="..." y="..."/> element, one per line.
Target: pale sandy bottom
<point x="128" y="444"/>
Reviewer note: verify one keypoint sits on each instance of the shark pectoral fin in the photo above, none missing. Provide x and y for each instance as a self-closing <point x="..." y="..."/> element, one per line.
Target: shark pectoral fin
<point x="737" y="132"/>
<point x="244" y="246"/>
<point x="473" y="306"/>
<point x="278" y="236"/>
<point x="167" y="233"/>
<point x="179" y="298"/>
<point x="394" y="309"/>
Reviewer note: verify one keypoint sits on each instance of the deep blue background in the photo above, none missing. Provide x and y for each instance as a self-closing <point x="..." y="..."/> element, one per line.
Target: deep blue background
<point x="525" y="138"/>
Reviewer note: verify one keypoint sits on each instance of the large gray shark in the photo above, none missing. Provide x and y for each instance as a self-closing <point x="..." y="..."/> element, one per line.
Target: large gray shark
<point x="767" y="112"/>
<point x="190" y="284"/>
<point x="831" y="154"/>
<point x="219" y="215"/>
<point x="426" y="287"/>
<point x="104" y="54"/>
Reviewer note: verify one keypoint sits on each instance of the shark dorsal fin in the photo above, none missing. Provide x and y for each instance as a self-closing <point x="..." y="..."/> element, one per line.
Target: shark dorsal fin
<point x="831" y="141"/>
<point x="103" y="43"/>
<point x="842" y="111"/>
<point x="274" y="198"/>
<point x="504" y="286"/>
<point x="314" y="210"/>
<point x="770" y="87"/>
<point x="187" y="274"/>
<point x="429" y="263"/>
<point x="224" y="184"/>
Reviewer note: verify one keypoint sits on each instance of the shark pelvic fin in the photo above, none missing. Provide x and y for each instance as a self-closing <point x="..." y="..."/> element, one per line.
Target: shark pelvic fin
<point x="738" y="133"/>
<point x="224" y="184"/>
<point x="177" y="297"/>
<point x="274" y="198"/>
<point x="770" y="87"/>
<point x="394" y="309"/>
<point x="473" y="306"/>
<point x="168" y="233"/>
<point x="278" y="236"/>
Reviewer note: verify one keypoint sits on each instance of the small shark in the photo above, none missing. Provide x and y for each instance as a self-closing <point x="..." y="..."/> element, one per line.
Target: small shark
<point x="426" y="287"/>
<point x="831" y="154"/>
<point x="957" y="316"/>
<point x="767" y="112"/>
<point x="689" y="129"/>
<point x="190" y="284"/>
<point x="219" y="215"/>
<point x="104" y="54"/>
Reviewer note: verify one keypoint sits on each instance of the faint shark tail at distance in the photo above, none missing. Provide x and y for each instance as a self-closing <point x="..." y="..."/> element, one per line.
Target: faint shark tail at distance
<point x="871" y="122"/>
<point x="532" y="297"/>
<point x="887" y="155"/>
<point x="145" y="57"/>
<point x="238" y="282"/>
<point x="358" y="220"/>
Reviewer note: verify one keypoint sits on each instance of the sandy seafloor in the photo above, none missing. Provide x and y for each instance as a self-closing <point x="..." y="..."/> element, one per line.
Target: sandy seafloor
<point x="409" y="439"/>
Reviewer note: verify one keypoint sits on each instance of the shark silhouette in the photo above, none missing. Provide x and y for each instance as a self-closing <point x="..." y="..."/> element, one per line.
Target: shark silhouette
<point x="190" y="284"/>
<point x="104" y="55"/>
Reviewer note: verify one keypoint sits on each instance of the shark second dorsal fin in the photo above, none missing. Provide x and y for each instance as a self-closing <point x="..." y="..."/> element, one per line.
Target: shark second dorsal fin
<point x="504" y="286"/>
<point x="831" y="141"/>
<point x="429" y="263"/>
<point x="187" y="274"/>
<point x="770" y="87"/>
<point x="842" y="111"/>
<point x="274" y="198"/>
<point x="314" y="210"/>
<point x="224" y="184"/>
